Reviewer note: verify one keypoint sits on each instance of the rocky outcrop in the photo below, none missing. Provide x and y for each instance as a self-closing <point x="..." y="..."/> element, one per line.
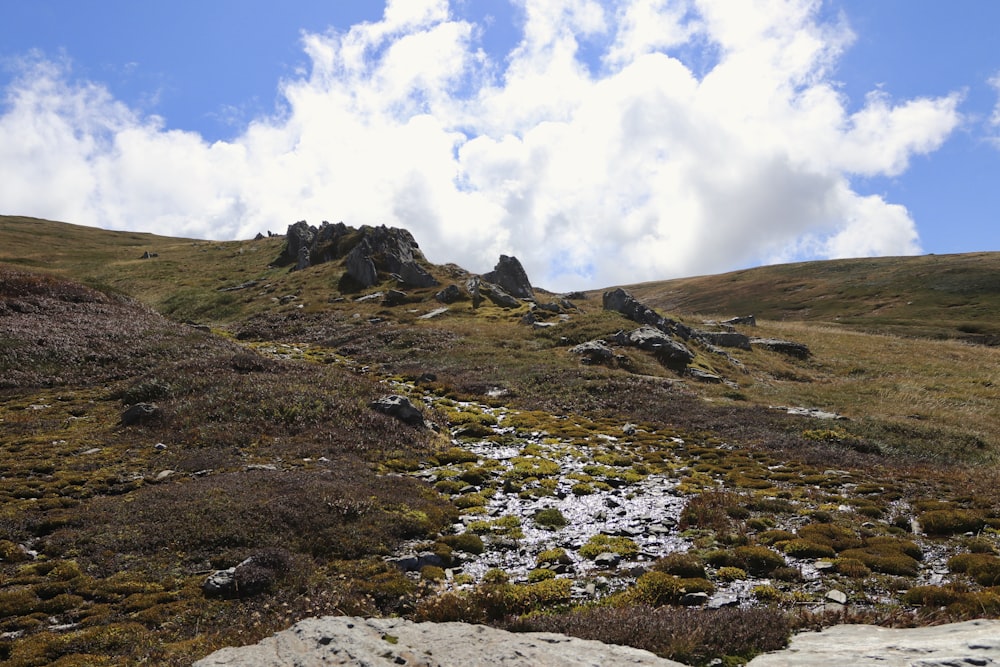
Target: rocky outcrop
<point x="969" y="643"/>
<point x="593" y="352"/>
<point x="370" y="254"/>
<point x="510" y="276"/>
<point x="344" y="640"/>
<point x="620" y="301"/>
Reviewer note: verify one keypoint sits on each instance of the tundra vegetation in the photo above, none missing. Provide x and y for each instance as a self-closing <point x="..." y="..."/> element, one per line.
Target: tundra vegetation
<point x="262" y="453"/>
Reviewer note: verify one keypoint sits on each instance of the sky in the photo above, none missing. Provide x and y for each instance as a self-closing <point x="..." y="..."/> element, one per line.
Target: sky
<point x="600" y="142"/>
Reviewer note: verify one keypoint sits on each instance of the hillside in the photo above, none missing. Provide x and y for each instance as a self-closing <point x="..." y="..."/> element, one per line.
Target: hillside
<point x="934" y="296"/>
<point x="612" y="468"/>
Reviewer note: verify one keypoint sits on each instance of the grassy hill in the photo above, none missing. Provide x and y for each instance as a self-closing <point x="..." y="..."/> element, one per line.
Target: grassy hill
<point x="934" y="296"/>
<point x="264" y="447"/>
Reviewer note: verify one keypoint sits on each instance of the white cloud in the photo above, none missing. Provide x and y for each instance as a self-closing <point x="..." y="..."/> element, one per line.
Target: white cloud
<point x="638" y="165"/>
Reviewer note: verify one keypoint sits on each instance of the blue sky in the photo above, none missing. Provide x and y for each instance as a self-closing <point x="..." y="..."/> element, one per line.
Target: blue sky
<point x="600" y="142"/>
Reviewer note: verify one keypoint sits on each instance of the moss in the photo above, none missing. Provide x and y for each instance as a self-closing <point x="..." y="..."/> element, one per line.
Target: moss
<point x="659" y="588"/>
<point x="851" y="567"/>
<point x="800" y="548"/>
<point x="728" y="573"/>
<point x="556" y="555"/>
<point x="540" y="574"/>
<point x="757" y="560"/>
<point x="983" y="568"/>
<point x="468" y="542"/>
<point x="884" y="560"/>
<point x="432" y="573"/>
<point x="598" y="544"/>
<point x="686" y="565"/>
<point x="836" y="536"/>
<point x="766" y="593"/>
<point x="951" y="522"/>
<point x="550" y="518"/>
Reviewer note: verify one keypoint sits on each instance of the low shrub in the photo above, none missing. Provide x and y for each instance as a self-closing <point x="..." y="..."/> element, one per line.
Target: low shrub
<point x="468" y="542"/>
<point x="800" y="548"/>
<point x="686" y="565"/>
<point x="837" y="537"/>
<point x="557" y="555"/>
<point x="692" y="636"/>
<point x="951" y="522"/>
<point x="659" y="588"/>
<point x="550" y="518"/>
<point x="731" y="574"/>
<point x="598" y="544"/>
<point x="884" y="560"/>
<point x="851" y="567"/>
<point x="983" y="568"/>
<point x="757" y="560"/>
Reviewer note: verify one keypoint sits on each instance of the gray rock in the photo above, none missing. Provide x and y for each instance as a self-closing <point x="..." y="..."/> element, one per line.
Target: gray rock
<point x="449" y="294"/>
<point x="434" y="313"/>
<point x="361" y="269"/>
<point x="343" y="641"/>
<point x="840" y="597"/>
<point x="394" y="297"/>
<point x="724" y="339"/>
<point x="620" y="301"/>
<point x="498" y="296"/>
<point x="593" y="352"/>
<point x="140" y="413"/>
<point x="668" y="350"/>
<point x="399" y="407"/>
<point x="788" y="347"/>
<point x="746" y="320"/>
<point x="300" y="235"/>
<point x="704" y="376"/>
<point x="510" y="276"/>
<point x="608" y="559"/>
<point x="969" y="643"/>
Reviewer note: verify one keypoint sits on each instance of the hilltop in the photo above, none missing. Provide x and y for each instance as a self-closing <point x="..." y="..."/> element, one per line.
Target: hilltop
<point x="614" y="459"/>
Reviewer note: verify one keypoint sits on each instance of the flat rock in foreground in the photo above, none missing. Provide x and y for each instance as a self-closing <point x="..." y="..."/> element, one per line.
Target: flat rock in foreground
<point x="344" y="640"/>
<point x="957" y="644"/>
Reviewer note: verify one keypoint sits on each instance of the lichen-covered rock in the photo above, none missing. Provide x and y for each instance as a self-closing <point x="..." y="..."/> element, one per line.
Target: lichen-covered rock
<point x="399" y="407"/>
<point x="140" y="413"/>
<point x="792" y="349"/>
<point x="593" y="352"/>
<point x="511" y="277"/>
<point x="344" y="640"/>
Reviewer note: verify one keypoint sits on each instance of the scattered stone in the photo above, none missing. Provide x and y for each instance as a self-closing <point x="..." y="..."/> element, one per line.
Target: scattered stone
<point x="162" y="475"/>
<point x="509" y="275"/>
<point x="815" y="413"/>
<point x="149" y="255"/>
<point x="746" y="320"/>
<point x="159" y="446"/>
<point x="399" y="407"/>
<point x="92" y="450"/>
<point x="798" y="350"/>
<point x="694" y="599"/>
<point x="607" y="560"/>
<point x="342" y="640"/>
<point x="434" y="313"/>
<point x="140" y="413"/>
<point x="834" y="595"/>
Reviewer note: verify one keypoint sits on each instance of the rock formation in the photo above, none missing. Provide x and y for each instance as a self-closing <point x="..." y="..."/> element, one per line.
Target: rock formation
<point x="370" y="254"/>
<point x="509" y="275"/>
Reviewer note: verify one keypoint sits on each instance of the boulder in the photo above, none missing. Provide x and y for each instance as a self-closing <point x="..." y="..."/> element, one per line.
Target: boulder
<point x="510" y="276"/>
<point x="449" y="294"/>
<point x="300" y="235"/>
<point x="724" y="339"/>
<point x="798" y="350"/>
<point x="140" y="413"/>
<point x="498" y="296"/>
<point x="399" y="407"/>
<point x="345" y="640"/>
<point x="593" y="352"/>
<point x="394" y="297"/>
<point x="746" y="320"/>
<point x="668" y="350"/>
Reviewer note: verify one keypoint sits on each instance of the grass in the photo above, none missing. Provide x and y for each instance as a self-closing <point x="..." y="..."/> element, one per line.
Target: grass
<point x="265" y="447"/>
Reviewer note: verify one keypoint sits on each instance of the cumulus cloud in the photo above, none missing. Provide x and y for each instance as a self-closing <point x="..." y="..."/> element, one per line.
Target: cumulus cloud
<point x="702" y="136"/>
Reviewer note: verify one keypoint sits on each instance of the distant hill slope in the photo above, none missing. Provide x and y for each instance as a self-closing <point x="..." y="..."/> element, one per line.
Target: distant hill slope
<point x="933" y="296"/>
<point x="938" y="296"/>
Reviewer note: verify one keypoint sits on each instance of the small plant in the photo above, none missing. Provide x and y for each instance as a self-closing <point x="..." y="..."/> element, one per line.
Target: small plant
<point x="557" y="555"/>
<point x="550" y="518"/>
<point x="951" y="522"/>
<point x="684" y="565"/>
<point x="598" y="544"/>
<point x="728" y="573"/>
<point x="766" y="593"/>
<point x="540" y="574"/>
